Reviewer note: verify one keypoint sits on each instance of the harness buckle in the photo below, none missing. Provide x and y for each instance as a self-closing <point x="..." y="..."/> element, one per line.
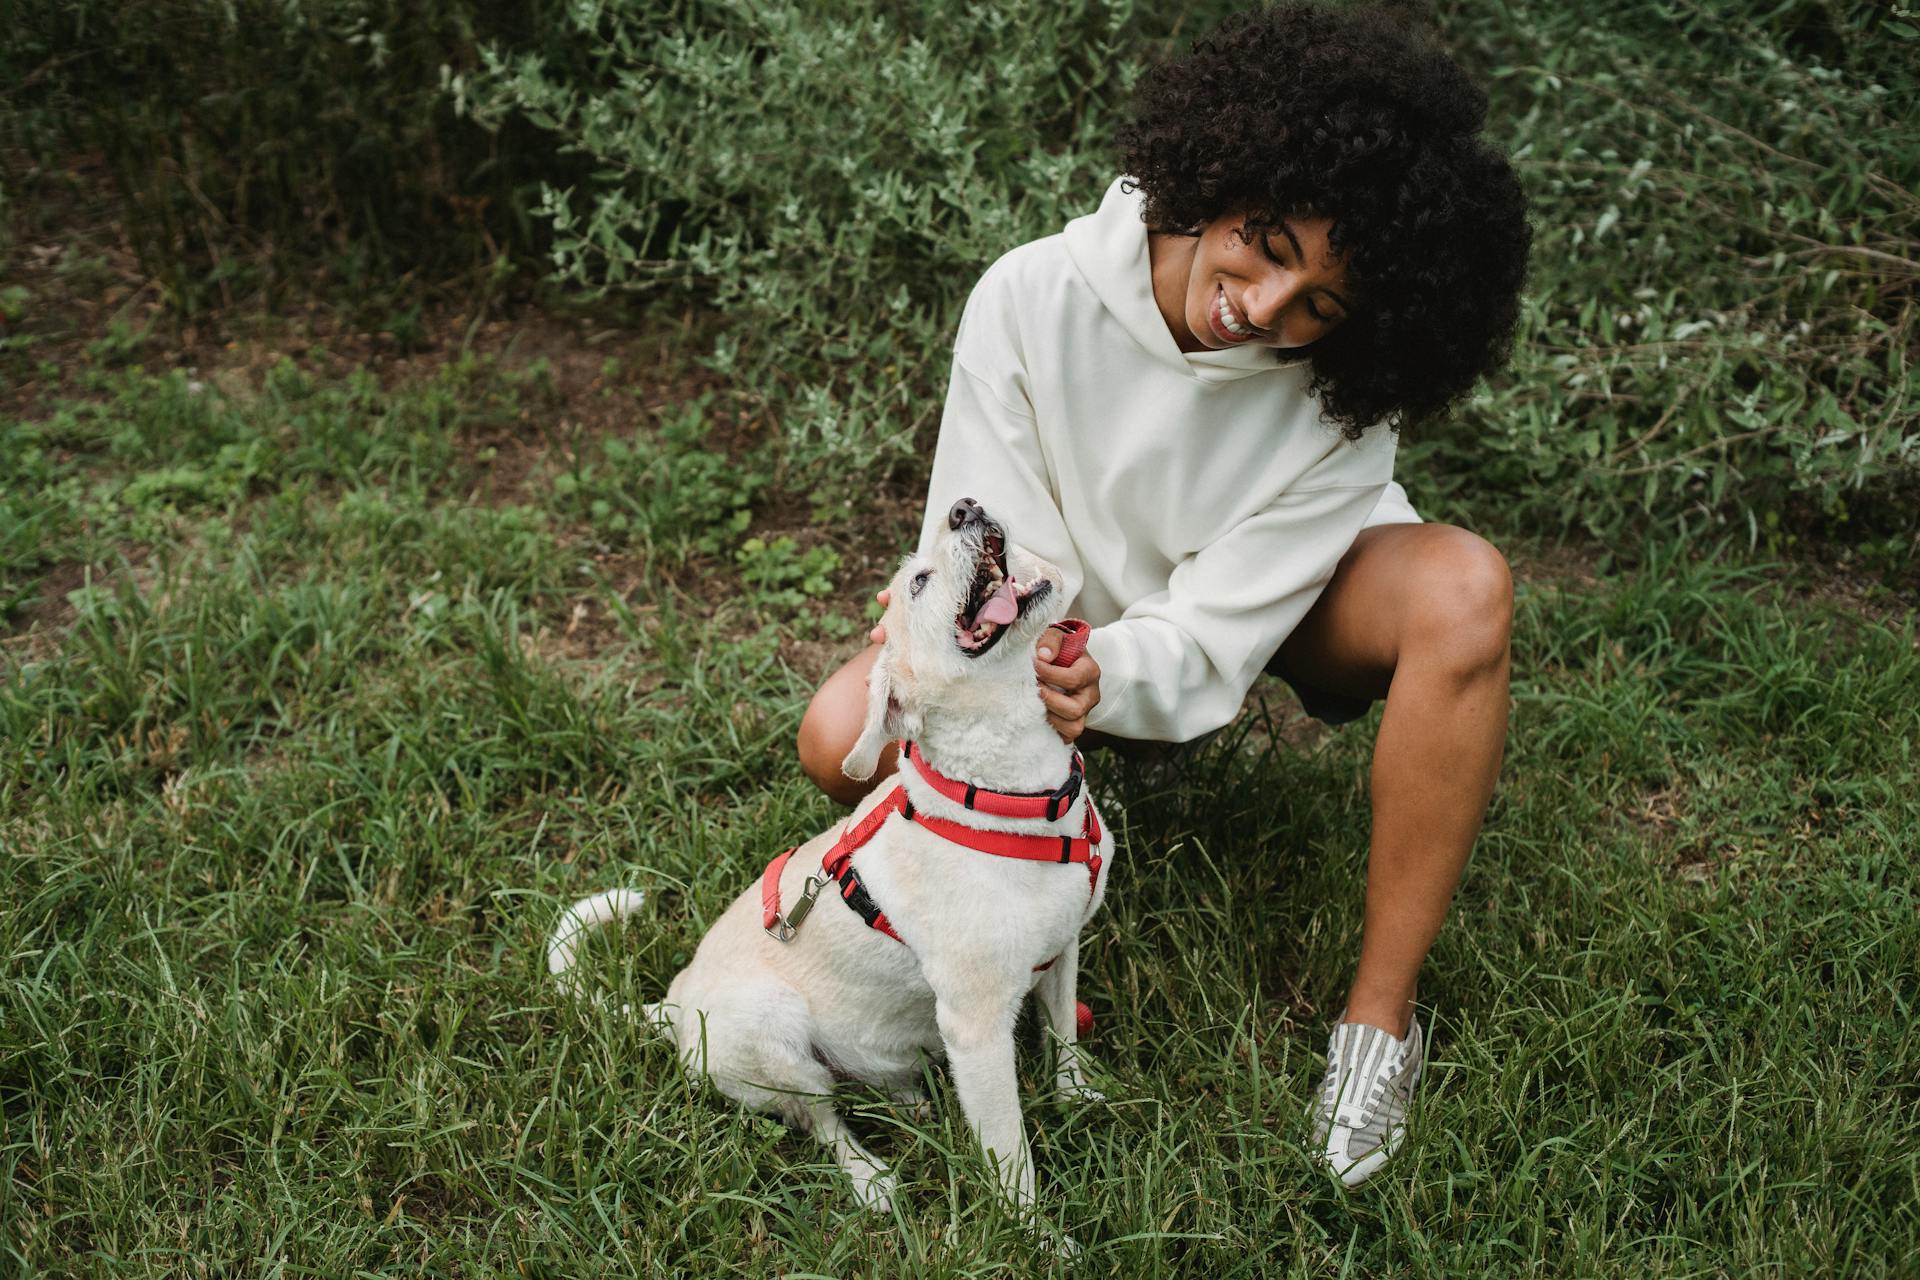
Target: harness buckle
<point x="785" y="926"/>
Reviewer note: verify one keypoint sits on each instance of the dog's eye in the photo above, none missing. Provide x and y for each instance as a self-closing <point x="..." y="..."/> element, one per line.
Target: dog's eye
<point x="919" y="581"/>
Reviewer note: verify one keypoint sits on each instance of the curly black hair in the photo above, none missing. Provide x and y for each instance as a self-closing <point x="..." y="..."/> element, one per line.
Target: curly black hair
<point x="1348" y="115"/>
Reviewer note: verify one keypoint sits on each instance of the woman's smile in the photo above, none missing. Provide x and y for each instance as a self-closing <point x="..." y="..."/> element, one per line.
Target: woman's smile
<point x="1237" y="282"/>
<point x="1229" y="325"/>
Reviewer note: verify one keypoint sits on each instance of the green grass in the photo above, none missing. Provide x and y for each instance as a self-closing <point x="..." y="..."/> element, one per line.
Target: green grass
<point x="322" y="691"/>
<point x="289" y="800"/>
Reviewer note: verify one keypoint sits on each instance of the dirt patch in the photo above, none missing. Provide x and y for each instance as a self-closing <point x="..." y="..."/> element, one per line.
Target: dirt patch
<point x="38" y="629"/>
<point x="1569" y="566"/>
<point x="52" y="610"/>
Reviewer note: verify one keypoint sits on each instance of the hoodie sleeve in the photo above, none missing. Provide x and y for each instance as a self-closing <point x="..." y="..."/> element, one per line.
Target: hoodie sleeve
<point x="989" y="446"/>
<point x="1177" y="664"/>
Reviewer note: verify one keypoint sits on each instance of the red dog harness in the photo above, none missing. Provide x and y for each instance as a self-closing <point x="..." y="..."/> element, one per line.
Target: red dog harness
<point x="836" y="866"/>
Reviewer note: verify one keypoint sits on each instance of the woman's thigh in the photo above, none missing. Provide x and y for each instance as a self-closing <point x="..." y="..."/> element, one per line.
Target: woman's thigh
<point x="832" y="724"/>
<point x="1401" y="586"/>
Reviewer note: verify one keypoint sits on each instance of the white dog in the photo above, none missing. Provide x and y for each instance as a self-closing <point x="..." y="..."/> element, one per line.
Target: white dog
<point x="954" y="910"/>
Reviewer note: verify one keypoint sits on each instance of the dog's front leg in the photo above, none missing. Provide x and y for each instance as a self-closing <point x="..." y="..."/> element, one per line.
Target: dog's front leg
<point x="979" y="1040"/>
<point x="1058" y="991"/>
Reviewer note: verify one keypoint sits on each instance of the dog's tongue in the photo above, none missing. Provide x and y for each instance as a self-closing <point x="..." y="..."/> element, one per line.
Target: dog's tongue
<point x="1000" y="608"/>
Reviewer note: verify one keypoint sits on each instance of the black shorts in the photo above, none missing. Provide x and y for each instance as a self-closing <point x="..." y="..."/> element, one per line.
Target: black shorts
<point x="1322" y="704"/>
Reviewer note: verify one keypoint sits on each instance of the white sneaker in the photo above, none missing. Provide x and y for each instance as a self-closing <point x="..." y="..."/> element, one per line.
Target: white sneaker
<point x="1360" y="1120"/>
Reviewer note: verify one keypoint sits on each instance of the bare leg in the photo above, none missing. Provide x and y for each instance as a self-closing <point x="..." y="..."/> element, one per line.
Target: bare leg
<point x="1421" y="614"/>
<point x="832" y="724"/>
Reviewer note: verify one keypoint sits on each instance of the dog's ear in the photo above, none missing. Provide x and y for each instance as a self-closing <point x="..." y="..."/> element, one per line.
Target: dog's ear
<point x="887" y="719"/>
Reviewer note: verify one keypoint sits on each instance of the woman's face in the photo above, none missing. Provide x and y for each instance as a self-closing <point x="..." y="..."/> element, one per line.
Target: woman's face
<point x="1235" y="284"/>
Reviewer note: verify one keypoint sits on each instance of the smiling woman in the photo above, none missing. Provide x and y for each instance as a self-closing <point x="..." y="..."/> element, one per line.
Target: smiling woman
<point x="1374" y="138"/>
<point x="1187" y="400"/>
<point x="1278" y="286"/>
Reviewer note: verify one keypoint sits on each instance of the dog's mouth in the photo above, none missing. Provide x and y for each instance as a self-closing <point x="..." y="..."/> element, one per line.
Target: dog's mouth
<point x="994" y="600"/>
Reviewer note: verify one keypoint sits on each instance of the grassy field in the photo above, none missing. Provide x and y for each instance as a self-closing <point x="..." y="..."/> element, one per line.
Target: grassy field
<point x="289" y="795"/>
<point x="344" y="639"/>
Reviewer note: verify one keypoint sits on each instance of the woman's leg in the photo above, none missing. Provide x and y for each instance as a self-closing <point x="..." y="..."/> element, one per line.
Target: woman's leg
<point x="831" y="726"/>
<point x="1420" y="614"/>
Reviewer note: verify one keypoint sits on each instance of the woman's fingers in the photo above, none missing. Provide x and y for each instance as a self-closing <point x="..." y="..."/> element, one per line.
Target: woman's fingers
<point x="1069" y="705"/>
<point x="1070" y="692"/>
<point x="1084" y="672"/>
<point x="1066" y="714"/>
<point x="879" y="633"/>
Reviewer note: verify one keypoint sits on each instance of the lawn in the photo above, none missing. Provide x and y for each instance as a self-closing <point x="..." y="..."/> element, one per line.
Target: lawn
<point x="290" y="797"/>
<point x="342" y="644"/>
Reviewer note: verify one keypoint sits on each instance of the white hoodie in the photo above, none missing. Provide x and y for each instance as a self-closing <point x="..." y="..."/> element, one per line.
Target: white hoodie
<point x="1197" y="503"/>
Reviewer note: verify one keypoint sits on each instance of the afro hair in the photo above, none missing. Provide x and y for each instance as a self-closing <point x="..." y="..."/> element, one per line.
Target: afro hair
<point x="1347" y="115"/>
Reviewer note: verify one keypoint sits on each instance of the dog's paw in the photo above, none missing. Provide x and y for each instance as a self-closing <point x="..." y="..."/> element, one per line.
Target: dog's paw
<point x="1058" y="1243"/>
<point x="915" y="1102"/>
<point x="1076" y="1089"/>
<point x="1070" y="1078"/>
<point x="875" y="1193"/>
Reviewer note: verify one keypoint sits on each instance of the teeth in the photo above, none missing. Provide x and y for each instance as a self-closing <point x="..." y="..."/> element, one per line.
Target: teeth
<point x="979" y="635"/>
<point x="1226" y="319"/>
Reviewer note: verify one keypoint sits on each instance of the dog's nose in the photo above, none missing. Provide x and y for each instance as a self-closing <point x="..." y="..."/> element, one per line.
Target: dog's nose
<point x="965" y="512"/>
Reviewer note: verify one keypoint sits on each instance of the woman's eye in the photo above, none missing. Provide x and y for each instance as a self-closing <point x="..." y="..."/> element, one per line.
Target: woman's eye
<point x="919" y="581"/>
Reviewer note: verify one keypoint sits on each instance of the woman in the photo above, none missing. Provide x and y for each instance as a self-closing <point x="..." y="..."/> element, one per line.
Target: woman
<point x="1188" y="399"/>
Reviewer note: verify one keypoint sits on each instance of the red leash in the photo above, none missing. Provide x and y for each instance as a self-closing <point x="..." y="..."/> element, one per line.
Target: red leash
<point x="1073" y="643"/>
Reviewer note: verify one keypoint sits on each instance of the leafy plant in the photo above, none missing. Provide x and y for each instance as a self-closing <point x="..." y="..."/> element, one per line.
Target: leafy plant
<point x="1720" y="325"/>
<point x="667" y="490"/>
<point x="783" y="575"/>
<point x="829" y="182"/>
<point x="120" y="344"/>
<point x="242" y="140"/>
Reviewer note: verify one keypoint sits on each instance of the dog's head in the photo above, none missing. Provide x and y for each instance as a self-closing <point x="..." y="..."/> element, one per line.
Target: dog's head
<point x="961" y="623"/>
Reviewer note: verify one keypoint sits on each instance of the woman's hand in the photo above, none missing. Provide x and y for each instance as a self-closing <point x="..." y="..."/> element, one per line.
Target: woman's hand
<point x="879" y="633"/>
<point x="1069" y="692"/>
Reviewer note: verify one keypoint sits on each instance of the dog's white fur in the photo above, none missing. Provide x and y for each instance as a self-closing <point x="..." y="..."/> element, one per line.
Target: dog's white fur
<point x="774" y="1025"/>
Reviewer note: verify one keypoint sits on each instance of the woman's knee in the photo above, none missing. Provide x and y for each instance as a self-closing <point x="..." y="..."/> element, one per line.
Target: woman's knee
<point x="832" y="724"/>
<point x="1461" y="605"/>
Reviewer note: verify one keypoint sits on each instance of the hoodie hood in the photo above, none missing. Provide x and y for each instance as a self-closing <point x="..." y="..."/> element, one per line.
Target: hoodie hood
<point x="1109" y="247"/>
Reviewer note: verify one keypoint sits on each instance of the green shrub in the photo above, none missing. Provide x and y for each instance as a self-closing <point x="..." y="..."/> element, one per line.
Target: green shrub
<point x="1720" y="317"/>
<point x="244" y="139"/>
<point x="781" y="575"/>
<point x="827" y="183"/>
<point x="1720" y="328"/>
<point x="666" y="490"/>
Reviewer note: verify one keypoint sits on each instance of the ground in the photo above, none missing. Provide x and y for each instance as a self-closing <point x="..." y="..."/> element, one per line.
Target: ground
<point x="319" y="697"/>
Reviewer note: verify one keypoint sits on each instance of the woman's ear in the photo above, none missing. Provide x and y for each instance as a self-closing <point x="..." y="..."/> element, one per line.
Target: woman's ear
<point x="887" y="719"/>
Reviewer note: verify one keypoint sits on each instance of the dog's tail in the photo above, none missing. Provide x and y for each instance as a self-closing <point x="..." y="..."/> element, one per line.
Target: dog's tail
<point x="588" y="913"/>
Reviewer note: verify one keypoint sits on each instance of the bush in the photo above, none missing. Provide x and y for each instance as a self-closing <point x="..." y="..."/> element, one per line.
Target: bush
<point x="828" y="185"/>
<point x="243" y="139"/>
<point x="1719" y="332"/>
<point x="1720" y="318"/>
<point x="1720" y="328"/>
